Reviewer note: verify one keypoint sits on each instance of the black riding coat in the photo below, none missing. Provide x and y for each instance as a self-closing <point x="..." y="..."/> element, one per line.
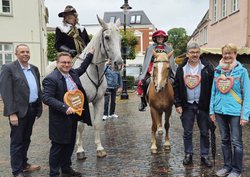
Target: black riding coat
<point x="62" y="39"/>
<point x="180" y="91"/>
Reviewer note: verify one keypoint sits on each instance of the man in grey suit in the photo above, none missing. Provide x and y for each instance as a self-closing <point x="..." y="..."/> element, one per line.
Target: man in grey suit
<point x="21" y="93"/>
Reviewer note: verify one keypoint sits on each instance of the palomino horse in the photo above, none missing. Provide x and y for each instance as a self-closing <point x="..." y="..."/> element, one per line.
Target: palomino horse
<point x="107" y="45"/>
<point x="160" y="97"/>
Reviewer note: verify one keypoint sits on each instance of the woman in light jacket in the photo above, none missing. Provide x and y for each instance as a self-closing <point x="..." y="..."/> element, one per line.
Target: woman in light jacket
<point x="230" y="107"/>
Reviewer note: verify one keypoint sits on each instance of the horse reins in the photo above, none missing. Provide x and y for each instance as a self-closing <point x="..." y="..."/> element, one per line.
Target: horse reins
<point x="100" y="79"/>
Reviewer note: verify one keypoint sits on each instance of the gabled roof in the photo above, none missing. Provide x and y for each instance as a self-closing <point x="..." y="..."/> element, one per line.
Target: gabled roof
<point x="203" y="20"/>
<point x="144" y="18"/>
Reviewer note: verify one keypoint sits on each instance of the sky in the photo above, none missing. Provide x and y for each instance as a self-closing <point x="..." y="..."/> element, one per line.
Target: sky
<point x="164" y="14"/>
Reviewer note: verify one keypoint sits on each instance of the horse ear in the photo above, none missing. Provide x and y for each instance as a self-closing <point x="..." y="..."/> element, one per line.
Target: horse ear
<point x="118" y="22"/>
<point x="170" y="53"/>
<point x="154" y="53"/>
<point x="101" y="22"/>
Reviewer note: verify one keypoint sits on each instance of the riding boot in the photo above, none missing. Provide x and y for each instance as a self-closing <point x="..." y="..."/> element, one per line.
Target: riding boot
<point x="143" y="104"/>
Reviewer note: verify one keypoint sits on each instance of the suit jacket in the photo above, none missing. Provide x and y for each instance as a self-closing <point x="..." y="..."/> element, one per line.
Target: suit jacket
<point x="15" y="90"/>
<point x="61" y="125"/>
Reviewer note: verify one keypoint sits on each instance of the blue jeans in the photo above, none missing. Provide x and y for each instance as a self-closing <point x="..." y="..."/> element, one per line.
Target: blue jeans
<point x="231" y="135"/>
<point x="188" y="117"/>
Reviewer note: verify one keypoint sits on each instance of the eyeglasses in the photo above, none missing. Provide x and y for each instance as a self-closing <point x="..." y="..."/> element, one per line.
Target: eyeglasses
<point x="65" y="62"/>
<point x="193" y="52"/>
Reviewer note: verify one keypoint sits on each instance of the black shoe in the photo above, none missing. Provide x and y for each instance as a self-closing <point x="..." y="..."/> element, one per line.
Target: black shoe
<point x="188" y="160"/>
<point x="71" y="173"/>
<point x="142" y="107"/>
<point x="205" y="161"/>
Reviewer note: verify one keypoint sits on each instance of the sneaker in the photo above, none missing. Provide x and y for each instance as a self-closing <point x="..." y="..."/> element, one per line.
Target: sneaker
<point x="222" y="172"/>
<point x="114" y="116"/>
<point x="234" y="174"/>
<point x="105" y="117"/>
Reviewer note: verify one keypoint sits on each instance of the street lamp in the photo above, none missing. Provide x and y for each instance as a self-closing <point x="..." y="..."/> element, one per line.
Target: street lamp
<point x="125" y="51"/>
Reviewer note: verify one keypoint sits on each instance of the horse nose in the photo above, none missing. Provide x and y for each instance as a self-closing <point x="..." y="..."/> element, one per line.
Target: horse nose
<point x="118" y="61"/>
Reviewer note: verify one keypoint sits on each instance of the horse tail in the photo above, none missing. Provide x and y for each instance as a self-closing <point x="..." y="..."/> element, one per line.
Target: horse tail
<point x="51" y="67"/>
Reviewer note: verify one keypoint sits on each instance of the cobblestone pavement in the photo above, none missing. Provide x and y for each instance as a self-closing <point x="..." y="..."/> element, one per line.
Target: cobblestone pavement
<point x="127" y="141"/>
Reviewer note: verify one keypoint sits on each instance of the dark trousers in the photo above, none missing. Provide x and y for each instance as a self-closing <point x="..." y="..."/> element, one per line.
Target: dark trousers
<point x="60" y="155"/>
<point x="20" y="140"/>
<point x="188" y="116"/>
<point x="111" y="98"/>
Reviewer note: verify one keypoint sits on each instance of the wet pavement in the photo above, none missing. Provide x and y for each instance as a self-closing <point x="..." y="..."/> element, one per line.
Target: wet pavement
<point x="127" y="141"/>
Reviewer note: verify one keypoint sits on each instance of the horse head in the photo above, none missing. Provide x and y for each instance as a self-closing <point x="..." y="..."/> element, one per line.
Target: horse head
<point x="111" y="42"/>
<point x="161" y="68"/>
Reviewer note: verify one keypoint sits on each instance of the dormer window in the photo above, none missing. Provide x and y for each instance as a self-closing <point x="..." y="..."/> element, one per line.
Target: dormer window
<point x="135" y="19"/>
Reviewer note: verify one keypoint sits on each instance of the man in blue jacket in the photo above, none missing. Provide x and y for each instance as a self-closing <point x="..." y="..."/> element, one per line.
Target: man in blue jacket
<point x="114" y="84"/>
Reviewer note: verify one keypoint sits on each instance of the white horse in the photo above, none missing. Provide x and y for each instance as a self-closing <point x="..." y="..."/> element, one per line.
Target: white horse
<point x="107" y="44"/>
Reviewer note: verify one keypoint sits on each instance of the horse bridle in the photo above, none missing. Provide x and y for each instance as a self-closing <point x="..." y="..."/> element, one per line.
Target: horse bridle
<point x="100" y="79"/>
<point x="161" y="61"/>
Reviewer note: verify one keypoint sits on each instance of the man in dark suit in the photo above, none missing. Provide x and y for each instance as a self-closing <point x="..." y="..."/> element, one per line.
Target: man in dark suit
<point x="21" y="93"/>
<point x="62" y="118"/>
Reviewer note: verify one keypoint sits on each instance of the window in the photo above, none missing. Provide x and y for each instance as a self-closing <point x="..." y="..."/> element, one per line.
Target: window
<point x="234" y="5"/>
<point x="201" y="37"/>
<point x="6" y="53"/>
<point x="205" y="35"/>
<point x="214" y="10"/>
<point x="138" y="19"/>
<point x="112" y="19"/>
<point x="223" y="8"/>
<point x="132" y="19"/>
<point x="135" y="19"/>
<point x="5" y="6"/>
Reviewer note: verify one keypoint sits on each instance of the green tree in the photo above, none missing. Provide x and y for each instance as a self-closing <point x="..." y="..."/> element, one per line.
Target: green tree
<point x="131" y="41"/>
<point x="50" y="46"/>
<point x="178" y="38"/>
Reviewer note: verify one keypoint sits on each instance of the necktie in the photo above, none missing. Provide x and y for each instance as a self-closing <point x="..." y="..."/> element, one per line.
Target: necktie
<point x="71" y="85"/>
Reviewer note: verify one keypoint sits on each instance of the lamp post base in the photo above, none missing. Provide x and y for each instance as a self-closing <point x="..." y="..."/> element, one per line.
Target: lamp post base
<point x="124" y="95"/>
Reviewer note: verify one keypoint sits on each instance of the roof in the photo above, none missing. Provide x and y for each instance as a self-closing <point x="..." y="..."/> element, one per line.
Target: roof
<point x="213" y="51"/>
<point x="204" y="20"/>
<point x="144" y="19"/>
<point x="241" y="51"/>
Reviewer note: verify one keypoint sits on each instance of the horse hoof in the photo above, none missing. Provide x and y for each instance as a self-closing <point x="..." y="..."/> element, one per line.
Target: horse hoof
<point x="154" y="151"/>
<point x="80" y="156"/>
<point x="167" y="147"/>
<point x="101" y="153"/>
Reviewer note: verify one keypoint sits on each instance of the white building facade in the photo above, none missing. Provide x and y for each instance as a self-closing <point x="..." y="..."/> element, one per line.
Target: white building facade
<point x="23" y="21"/>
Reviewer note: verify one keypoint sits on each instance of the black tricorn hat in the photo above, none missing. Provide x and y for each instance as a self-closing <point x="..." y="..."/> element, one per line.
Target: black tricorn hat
<point x="68" y="10"/>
